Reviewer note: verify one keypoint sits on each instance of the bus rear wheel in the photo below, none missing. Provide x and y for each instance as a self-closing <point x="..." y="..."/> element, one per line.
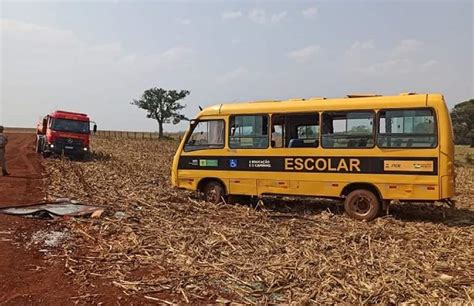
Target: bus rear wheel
<point x="213" y="192"/>
<point x="362" y="205"/>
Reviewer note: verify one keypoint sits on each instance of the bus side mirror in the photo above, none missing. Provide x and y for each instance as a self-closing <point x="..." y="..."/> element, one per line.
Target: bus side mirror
<point x="95" y="128"/>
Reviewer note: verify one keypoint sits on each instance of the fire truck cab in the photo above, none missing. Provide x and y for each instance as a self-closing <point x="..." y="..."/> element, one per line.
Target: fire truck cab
<point x="64" y="133"/>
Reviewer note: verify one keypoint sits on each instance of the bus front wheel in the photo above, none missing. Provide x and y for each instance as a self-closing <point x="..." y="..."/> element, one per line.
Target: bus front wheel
<point x="362" y="205"/>
<point x="213" y="192"/>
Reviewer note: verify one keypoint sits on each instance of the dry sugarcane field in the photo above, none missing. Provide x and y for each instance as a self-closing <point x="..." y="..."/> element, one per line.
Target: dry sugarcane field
<point x="158" y="244"/>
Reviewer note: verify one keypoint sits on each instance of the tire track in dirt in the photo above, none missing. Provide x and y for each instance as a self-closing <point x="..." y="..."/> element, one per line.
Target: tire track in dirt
<point x="25" y="276"/>
<point x="24" y="185"/>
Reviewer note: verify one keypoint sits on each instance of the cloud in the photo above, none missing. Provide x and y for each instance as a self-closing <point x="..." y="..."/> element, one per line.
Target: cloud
<point x="233" y="75"/>
<point x="401" y="59"/>
<point x="390" y="66"/>
<point x="310" y="12"/>
<point x="231" y="15"/>
<point x="173" y="55"/>
<point x="184" y="21"/>
<point x="235" y="41"/>
<point x="360" y="47"/>
<point x="305" y="54"/>
<point x="360" y="52"/>
<point x="275" y="18"/>
<point x="259" y="16"/>
<point x="429" y="64"/>
<point x="52" y="63"/>
<point x="406" y="47"/>
<point x="26" y="43"/>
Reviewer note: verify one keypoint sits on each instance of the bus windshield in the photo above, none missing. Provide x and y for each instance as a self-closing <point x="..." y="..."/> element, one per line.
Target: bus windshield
<point x="205" y="135"/>
<point x="72" y="126"/>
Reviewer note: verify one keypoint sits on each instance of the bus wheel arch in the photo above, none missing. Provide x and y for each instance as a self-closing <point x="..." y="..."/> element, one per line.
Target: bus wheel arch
<point x="362" y="201"/>
<point x="213" y="189"/>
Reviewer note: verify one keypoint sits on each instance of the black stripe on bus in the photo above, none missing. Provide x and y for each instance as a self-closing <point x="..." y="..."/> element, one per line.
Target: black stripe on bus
<point x="318" y="164"/>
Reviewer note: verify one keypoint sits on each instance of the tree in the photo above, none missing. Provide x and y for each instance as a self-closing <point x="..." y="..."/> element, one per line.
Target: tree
<point x="360" y="129"/>
<point x="162" y="105"/>
<point x="462" y="117"/>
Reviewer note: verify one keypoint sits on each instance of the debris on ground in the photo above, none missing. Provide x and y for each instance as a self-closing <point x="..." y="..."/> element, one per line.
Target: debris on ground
<point x="178" y="249"/>
<point x="53" y="210"/>
<point x="49" y="238"/>
<point x="120" y="215"/>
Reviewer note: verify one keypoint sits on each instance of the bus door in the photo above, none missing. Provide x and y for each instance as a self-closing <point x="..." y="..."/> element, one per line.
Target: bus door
<point x="292" y="136"/>
<point x="248" y="148"/>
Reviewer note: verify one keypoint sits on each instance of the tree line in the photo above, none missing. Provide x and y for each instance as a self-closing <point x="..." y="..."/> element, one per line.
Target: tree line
<point x="462" y="117"/>
<point x="164" y="106"/>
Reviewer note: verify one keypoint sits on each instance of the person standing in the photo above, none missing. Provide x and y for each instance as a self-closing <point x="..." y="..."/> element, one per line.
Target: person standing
<point x="3" y="145"/>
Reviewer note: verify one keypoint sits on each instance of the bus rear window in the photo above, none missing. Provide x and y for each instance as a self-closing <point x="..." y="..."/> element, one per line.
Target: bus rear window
<point x="407" y="128"/>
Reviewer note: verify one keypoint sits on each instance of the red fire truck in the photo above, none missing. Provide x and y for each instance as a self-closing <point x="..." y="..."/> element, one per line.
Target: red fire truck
<point x="65" y="133"/>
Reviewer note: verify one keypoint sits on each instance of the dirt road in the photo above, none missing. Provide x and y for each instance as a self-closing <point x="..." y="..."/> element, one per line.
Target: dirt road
<point x="24" y="185"/>
<point x="25" y="276"/>
<point x="29" y="274"/>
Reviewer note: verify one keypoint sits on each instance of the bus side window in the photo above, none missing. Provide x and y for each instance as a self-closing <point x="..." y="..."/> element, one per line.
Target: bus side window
<point x="407" y="128"/>
<point x="278" y="131"/>
<point x="248" y="132"/>
<point x="295" y="130"/>
<point x="348" y="129"/>
<point x="278" y="138"/>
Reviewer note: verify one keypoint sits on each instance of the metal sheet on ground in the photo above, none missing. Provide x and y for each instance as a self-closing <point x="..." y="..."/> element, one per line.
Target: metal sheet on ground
<point x="58" y="209"/>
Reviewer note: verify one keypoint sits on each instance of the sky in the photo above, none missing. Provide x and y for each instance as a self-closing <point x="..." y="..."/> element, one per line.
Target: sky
<point x="97" y="56"/>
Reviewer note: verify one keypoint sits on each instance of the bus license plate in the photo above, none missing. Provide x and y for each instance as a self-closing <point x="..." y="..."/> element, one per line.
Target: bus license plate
<point x="68" y="147"/>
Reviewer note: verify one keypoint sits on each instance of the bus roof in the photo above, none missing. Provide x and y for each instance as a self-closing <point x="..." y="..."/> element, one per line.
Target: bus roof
<point x="356" y="101"/>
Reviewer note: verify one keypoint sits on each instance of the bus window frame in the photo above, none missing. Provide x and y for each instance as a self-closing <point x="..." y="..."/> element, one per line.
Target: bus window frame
<point x="251" y="148"/>
<point x="435" y="117"/>
<point x="317" y="113"/>
<point x="374" y="128"/>
<point x="193" y="126"/>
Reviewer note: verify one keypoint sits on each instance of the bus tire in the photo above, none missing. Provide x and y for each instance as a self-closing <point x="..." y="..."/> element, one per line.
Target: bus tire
<point x="362" y="205"/>
<point x="213" y="192"/>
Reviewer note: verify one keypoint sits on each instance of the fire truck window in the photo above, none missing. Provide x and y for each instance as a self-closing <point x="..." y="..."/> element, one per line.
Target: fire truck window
<point x="72" y="126"/>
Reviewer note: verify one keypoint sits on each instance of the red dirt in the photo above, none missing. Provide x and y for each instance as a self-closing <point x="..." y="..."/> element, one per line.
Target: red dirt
<point x="26" y="275"/>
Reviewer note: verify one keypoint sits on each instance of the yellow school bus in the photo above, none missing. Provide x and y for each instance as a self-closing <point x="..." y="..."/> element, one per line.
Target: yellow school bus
<point x="364" y="149"/>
